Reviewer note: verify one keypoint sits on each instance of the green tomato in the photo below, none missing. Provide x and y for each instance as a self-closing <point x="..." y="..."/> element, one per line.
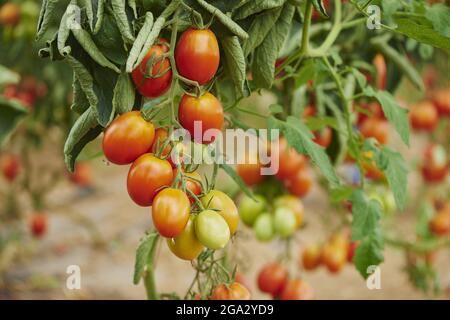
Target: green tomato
<point x="375" y="196"/>
<point x="264" y="227"/>
<point x="389" y="203"/>
<point x="250" y="209"/>
<point x="212" y="230"/>
<point x="284" y="222"/>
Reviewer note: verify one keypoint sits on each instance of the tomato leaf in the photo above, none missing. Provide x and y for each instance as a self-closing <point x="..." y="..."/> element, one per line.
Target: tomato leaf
<point x="142" y="255"/>
<point x="369" y="253"/>
<point x="11" y="112"/>
<point x="140" y="41"/>
<point x="118" y="8"/>
<point x="80" y="102"/>
<point x="124" y="94"/>
<point x="7" y="76"/>
<point x="45" y="17"/>
<point x="320" y="8"/>
<point x="235" y="63"/>
<point x="236" y="178"/>
<point x="253" y="7"/>
<point x="422" y="33"/>
<point x="439" y="16"/>
<point x="366" y="215"/>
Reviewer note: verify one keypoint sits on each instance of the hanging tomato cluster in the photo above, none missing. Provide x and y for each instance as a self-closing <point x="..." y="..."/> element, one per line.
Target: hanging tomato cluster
<point x="26" y="92"/>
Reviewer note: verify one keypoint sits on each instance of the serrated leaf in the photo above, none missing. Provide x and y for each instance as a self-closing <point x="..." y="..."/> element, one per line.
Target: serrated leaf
<point x="236" y="178"/>
<point x="253" y="7"/>
<point x="342" y="193"/>
<point x="439" y="16"/>
<point x="124" y="94"/>
<point x="235" y="63"/>
<point x="366" y="215"/>
<point x="422" y="33"/>
<point x="118" y="7"/>
<point x="142" y="255"/>
<point x="11" y="112"/>
<point x="369" y="253"/>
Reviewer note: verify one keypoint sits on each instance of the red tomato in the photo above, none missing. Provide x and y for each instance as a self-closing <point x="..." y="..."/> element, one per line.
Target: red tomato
<point x="375" y="128"/>
<point x="9" y="14"/>
<point x="442" y="102"/>
<point x="323" y="137"/>
<point x="380" y="65"/>
<point x="299" y="184"/>
<point x="128" y="137"/>
<point x="311" y="257"/>
<point x="235" y="291"/>
<point x="10" y="91"/>
<point x="10" y="166"/>
<point x="197" y="55"/>
<point x="38" y="224"/>
<point x="352" y="246"/>
<point x="272" y="279"/>
<point x="146" y="176"/>
<point x="156" y="82"/>
<point x="170" y="212"/>
<point x="82" y="176"/>
<point x="435" y="166"/>
<point x="309" y="111"/>
<point x="297" y="289"/>
<point x="206" y="110"/>
<point x="290" y="161"/>
<point x="373" y="109"/>
<point x="250" y="172"/>
<point x="424" y="116"/>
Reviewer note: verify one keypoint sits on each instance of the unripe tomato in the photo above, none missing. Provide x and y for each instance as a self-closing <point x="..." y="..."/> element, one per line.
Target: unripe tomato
<point x="127" y="138"/>
<point x="334" y="257"/>
<point x="249" y="209"/>
<point x="424" y="116"/>
<point x="224" y="206"/>
<point x="197" y="55"/>
<point x="9" y="14"/>
<point x="192" y="183"/>
<point x="272" y="278"/>
<point x="375" y="128"/>
<point x="250" y="173"/>
<point x="186" y="245"/>
<point x="146" y="176"/>
<point x="38" y="224"/>
<point x="206" y="111"/>
<point x="170" y="212"/>
<point x="440" y="223"/>
<point x="156" y="82"/>
<point x="10" y="166"/>
<point x="441" y="100"/>
<point x="311" y="257"/>
<point x="323" y="137"/>
<point x="380" y="65"/>
<point x="82" y="176"/>
<point x="290" y="161"/>
<point x="284" y="222"/>
<point x="212" y="230"/>
<point x="300" y="183"/>
<point x="294" y="204"/>
<point x="297" y="289"/>
<point x="264" y="229"/>
<point x="234" y="291"/>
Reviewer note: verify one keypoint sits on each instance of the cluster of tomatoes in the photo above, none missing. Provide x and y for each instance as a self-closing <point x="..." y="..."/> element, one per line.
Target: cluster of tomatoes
<point x="274" y="279"/>
<point x="282" y="219"/>
<point x="27" y="92"/>
<point x="9" y="14"/>
<point x="333" y="254"/>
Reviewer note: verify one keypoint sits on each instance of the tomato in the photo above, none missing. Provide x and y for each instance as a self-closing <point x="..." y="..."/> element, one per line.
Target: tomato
<point x="249" y="209"/>
<point x="26" y="98"/>
<point x="145" y="80"/>
<point x="9" y="14"/>
<point x="192" y="183"/>
<point x="290" y="161"/>
<point x="224" y="205"/>
<point x="294" y="204"/>
<point x="127" y="138"/>
<point x="249" y="172"/>
<point x="441" y="100"/>
<point x="206" y="111"/>
<point x="369" y="165"/>
<point x="311" y="257"/>
<point x="263" y="226"/>
<point x="38" y="224"/>
<point x="235" y="291"/>
<point x="380" y="65"/>
<point x="352" y="250"/>
<point x="10" y="166"/>
<point x="323" y="137"/>
<point x="430" y="76"/>
<point x="186" y="245"/>
<point x="82" y="176"/>
<point x="373" y="109"/>
<point x="440" y="223"/>
<point x="297" y="290"/>
<point x="309" y="111"/>
<point x="284" y="222"/>
<point x="334" y="257"/>
<point x="435" y="167"/>
<point x="272" y="278"/>
<point x="10" y="91"/>
<point x="375" y="128"/>
<point x="299" y="184"/>
<point x="424" y="116"/>
<point x="161" y="135"/>
<point x="170" y="212"/>
<point x="197" y="55"/>
<point x="212" y="230"/>
<point x="146" y="176"/>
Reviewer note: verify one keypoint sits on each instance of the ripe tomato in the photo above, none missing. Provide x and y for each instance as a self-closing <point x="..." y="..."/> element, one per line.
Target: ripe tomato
<point x="294" y="204"/>
<point x="197" y="55"/>
<point x="424" y="116"/>
<point x="311" y="257"/>
<point x="38" y="224"/>
<point x="186" y="245"/>
<point x="82" y="176"/>
<point x="299" y="184"/>
<point x="440" y="223"/>
<point x="191" y="181"/>
<point x="290" y="161"/>
<point x="334" y="257"/>
<point x="373" y="109"/>
<point x="249" y="209"/>
<point x="146" y="176"/>
<point x="212" y="230"/>
<point x="435" y="167"/>
<point x="250" y="173"/>
<point x="10" y="166"/>
<point x="161" y="135"/>
<point x="235" y="291"/>
<point x="272" y="278"/>
<point x="380" y="65"/>
<point x="309" y="111"/>
<point x="375" y="128"/>
<point x="9" y="14"/>
<point x="156" y="82"/>
<point x="353" y="245"/>
<point x="297" y="289"/>
<point x="442" y="102"/>
<point x="224" y="205"/>
<point x="323" y="137"/>
<point x="127" y="138"/>
<point x="284" y="222"/>
<point x="206" y="110"/>
<point x="170" y="212"/>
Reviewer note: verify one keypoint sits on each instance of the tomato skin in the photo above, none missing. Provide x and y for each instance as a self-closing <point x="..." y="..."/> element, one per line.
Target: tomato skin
<point x="297" y="289"/>
<point x="38" y="224"/>
<point x="146" y="176"/>
<point x="249" y="209"/>
<point x="82" y="176"/>
<point x="300" y="184"/>
<point x="153" y="87"/>
<point x="353" y="245"/>
<point x="323" y="138"/>
<point x="197" y="55"/>
<point x="435" y="167"/>
<point x="250" y="173"/>
<point x="311" y="257"/>
<point x="290" y="161"/>
<point x="375" y="128"/>
<point x="127" y="138"/>
<point x="206" y="109"/>
<point x="272" y="278"/>
<point x="380" y="65"/>
<point x="218" y="200"/>
<point x="212" y="230"/>
<point x="10" y="166"/>
<point x="424" y="116"/>
<point x="170" y="212"/>
<point x="284" y="222"/>
<point x="235" y="291"/>
<point x="440" y="223"/>
<point x="441" y="100"/>
<point x="294" y="204"/>
<point x="9" y="14"/>
<point x="186" y="245"/>
<point x="333" y="257"/>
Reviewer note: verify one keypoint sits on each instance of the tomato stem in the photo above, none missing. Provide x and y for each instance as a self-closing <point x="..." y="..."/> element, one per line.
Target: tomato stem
<point x="149" y="277"/>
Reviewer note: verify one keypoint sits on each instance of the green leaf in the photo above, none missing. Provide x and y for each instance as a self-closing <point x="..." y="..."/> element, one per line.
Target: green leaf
<point x="7" y="76"/>
<point x="439" y="16"/>
<point x="11" y="112"/>
<point x="140" y="41"/>
<point x="426" y="212"/>
<point x="342" y="193"/>
<point x="253" y="7"/>
<point x="151" y="38"/>
<point x="80" y="102"/>
<point x="124" y="94"/>
<point x="118" y="7"/>
<point x="236" y="178"/>
<point x="369" y="253"/>
<point x="276" y="108"/>
<point x="142" y="254"/>
<point x="366" y="215"/>
<point x="320" y="8"/>
<point x="397" y="115"/>
<point x="422" y="33"/>
<point x="307" y="72"/>
<point x="360" y="77"/>
<point x="45" y="16"/>
<point x="235" y="63"/>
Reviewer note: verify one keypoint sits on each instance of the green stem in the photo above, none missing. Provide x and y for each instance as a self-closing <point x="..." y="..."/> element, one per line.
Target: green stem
<point x="306" y="26"/>
<point x="334" y="33"/>
<point x="149" y="278"/>
<point x="419" y="247"/>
